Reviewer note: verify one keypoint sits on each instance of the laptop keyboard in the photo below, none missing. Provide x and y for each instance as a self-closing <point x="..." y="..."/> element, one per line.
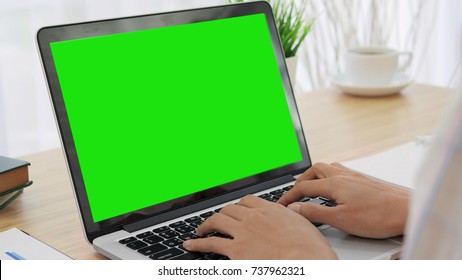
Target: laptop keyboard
<point x="165" y="242"/>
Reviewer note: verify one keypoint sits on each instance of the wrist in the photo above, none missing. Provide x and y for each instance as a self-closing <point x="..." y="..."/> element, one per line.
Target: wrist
<point x="399" y="217"/>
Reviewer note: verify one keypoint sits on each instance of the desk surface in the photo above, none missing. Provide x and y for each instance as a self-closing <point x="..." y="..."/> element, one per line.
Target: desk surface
<point x="337" y="126"/>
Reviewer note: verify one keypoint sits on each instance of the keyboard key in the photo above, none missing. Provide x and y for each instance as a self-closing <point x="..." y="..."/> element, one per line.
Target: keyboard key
<point x="218" y="209"/>
<point x="272" y="199"/>
<point x="196" y="224"/>
<point x="137" y="245"/>
<point x="167" y="254"/>
<point x="317" y="201"/>
<point x="277" y="196"/>
<point x="144" y="234"/>
<point x="153" y="239"/>
<point x="276" y="192"/>
<point x="152" y="249"/>
<point x="188" y="236"/>
<point x="127" y="240"/>
<point x="161" y="229"/>
<point x="189" y="256"/>
<point x="177" y="224"/>
<point x="193" y="219"/>
<point x="215" y="256"/>
<point x="331" y="203"/>
<point x="169" y="234"/>
<point x="265" y="195"/>
<point x="288" y="188"/>
<point x="173" y="242"/>
<point x="207" y="214"/>
<point x="184" y="229"/>
<point x="328" y="202"/>
<point x="305" y="199"/>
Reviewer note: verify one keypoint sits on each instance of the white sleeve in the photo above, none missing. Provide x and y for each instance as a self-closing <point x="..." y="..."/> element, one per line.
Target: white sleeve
<point x="434" y="230"/>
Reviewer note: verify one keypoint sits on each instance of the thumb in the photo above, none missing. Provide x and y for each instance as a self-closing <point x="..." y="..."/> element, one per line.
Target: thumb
<point x="313" y="212"/>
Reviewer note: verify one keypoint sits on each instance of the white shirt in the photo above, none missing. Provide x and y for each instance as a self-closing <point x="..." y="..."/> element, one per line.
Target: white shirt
<point x="434" y="230"/>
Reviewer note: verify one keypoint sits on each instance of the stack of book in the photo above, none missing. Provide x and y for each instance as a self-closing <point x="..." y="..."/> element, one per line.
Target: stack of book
<point x="14" y="177"/>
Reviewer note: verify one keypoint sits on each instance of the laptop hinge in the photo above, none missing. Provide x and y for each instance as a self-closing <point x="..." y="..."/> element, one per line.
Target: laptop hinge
<point x="207" y="203"/>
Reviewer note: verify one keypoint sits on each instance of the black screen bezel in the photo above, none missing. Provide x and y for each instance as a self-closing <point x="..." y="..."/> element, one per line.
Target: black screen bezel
<point x="48" y="35"/>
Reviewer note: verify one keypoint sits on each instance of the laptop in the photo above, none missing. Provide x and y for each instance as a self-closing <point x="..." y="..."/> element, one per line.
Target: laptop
<point x="166" y="118"/>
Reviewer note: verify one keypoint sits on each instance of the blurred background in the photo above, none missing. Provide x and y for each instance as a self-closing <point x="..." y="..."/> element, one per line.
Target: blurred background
<point x="431" y="29"/>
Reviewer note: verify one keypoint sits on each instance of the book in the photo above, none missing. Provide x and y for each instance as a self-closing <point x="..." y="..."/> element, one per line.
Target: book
<point x="14" y="177"/>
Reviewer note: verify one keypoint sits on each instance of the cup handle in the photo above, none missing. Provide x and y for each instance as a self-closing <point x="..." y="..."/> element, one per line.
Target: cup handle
<point x="408" y="56"/>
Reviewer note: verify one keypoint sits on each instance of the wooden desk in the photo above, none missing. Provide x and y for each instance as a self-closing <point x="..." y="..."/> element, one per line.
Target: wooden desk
<point x="337" y="127"/>
<point x="340" y="127"/>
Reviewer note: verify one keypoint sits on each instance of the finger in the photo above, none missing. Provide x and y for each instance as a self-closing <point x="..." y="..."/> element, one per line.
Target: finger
<point x="340" y="166"/>
<point x="314" y="188"/>
<point x="315" y="212"/>
<point x="218" y="222"/>
<point x="319" y="170"/>
<point x="209" y="245"/>
<point x="234" y="211"/>
<point x="251" y="201"/>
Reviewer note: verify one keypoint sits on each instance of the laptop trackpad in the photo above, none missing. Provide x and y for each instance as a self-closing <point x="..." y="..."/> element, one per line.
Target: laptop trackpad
<point x="350" y="247"/>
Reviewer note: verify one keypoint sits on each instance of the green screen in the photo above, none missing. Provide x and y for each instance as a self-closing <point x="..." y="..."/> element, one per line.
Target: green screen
<point x="159" y="114"/>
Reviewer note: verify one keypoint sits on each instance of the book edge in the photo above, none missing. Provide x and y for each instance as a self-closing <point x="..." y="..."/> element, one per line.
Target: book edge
<point x="11" y="199"/>
<point x="16" y="188"/>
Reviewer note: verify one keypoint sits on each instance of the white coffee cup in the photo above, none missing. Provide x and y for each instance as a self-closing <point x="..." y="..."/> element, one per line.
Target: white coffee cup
<point x="374" y="66"/>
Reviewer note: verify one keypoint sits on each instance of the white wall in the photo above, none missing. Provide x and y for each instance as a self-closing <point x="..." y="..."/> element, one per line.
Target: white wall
<point x="26" y="120"/>
<point x="431" y="29"/>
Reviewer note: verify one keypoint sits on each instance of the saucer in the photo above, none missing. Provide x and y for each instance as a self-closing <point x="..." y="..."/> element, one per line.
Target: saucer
<point x="399" y="81"/>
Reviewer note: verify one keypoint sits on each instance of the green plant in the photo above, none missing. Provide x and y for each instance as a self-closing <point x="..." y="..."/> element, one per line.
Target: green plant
<point x="290" y="21"/>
